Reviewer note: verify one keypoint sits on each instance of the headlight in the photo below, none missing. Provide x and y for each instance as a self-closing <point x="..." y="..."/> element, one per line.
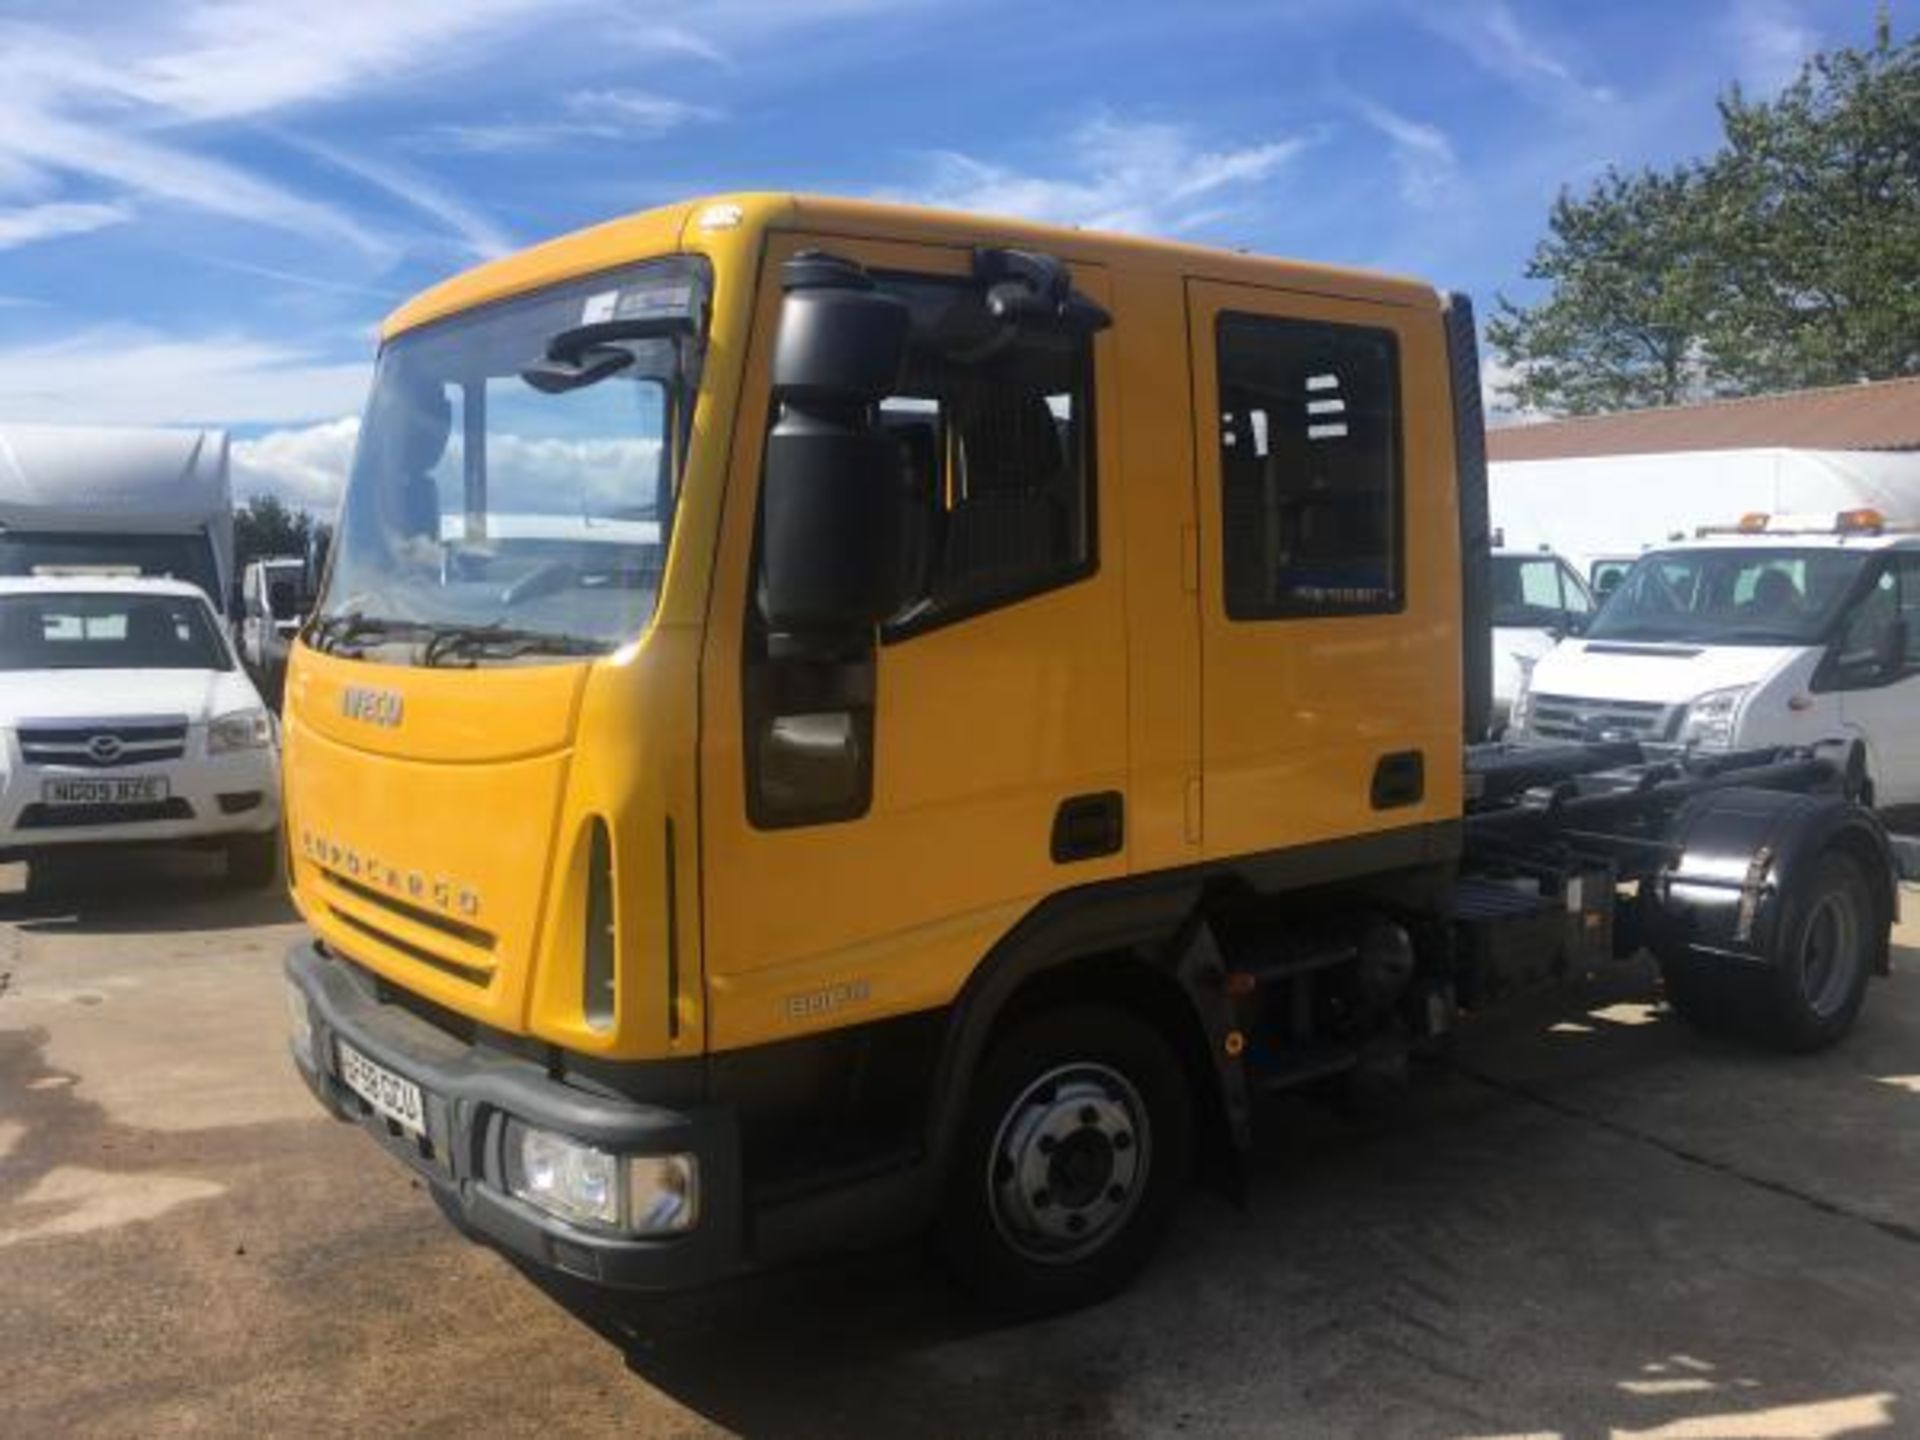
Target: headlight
<point x="1711" y="718"/>
<point x="581" y="1183"/>
<point x="242" y="730"/>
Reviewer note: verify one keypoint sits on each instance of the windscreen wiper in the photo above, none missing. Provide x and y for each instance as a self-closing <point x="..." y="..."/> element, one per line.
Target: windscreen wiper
<point x="469" y="644"/>
<point x="353" y="627"/>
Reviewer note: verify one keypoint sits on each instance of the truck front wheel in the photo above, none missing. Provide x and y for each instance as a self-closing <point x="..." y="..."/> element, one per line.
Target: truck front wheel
<point x="1072" y="1156"/>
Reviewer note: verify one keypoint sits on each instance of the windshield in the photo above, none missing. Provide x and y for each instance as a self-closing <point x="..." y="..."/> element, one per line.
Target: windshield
<point x="177" y="557"/>
<point x="108" y="632"/>
<point x="1730" y="597"/>
<point x="515" y="482"/>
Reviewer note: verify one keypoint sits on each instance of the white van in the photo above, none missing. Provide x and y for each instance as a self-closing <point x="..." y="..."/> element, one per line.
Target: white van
<point x="1538" y="600"/>
<point x="1782" y="630"/>
<point x="273" y="603"/>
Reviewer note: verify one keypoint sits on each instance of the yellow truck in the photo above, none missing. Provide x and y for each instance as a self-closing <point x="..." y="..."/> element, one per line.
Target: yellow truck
<point x="827" y="721"/>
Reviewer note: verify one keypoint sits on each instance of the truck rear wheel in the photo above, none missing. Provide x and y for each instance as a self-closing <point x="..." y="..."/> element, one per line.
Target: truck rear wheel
<point x="1076" y="1145"/>
<point x="1811" y="994"/>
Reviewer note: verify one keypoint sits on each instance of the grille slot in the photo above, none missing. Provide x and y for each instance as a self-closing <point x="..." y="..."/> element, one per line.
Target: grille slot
<point x="108" y="743"/>
<point x="424" y="935"/>
<point x="1574" y="717"/>
<point x="39" y="816"/>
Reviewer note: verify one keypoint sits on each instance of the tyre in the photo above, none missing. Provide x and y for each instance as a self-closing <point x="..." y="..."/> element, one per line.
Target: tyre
<point x="253" y="861"/>
<point x="1809" y="997"/>
<point x="1075" y="1148"/>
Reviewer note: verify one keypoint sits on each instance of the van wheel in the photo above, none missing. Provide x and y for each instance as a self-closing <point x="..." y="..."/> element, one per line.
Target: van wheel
<point x="1073" y="1153"/>
<point x="1811" y="994"/>
<point x="253" y="861"/>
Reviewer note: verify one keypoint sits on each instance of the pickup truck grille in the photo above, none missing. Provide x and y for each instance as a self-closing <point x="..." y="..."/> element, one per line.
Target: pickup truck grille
<point x="38" y="816"/>
<point x="1572" y="717"/>
<point x="105" y="744"/>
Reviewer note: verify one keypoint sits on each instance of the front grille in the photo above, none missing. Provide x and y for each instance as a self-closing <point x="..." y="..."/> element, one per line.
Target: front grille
<point x="449" y="945"/>
<point x="104" y="744"/>
<point x="1572" y="717"/>
<point x="39" y="816"/>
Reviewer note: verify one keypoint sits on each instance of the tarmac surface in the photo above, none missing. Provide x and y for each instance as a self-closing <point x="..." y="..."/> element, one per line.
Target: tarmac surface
<point x="1588" y="1223"/>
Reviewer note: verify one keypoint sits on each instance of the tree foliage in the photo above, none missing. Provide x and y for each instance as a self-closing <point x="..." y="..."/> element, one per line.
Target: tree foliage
<point x="1790" y="258"/>
<point x="267" y="526"/>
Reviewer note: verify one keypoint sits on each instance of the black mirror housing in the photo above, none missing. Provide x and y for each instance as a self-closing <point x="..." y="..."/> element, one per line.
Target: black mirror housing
<point x="831" y="489"/>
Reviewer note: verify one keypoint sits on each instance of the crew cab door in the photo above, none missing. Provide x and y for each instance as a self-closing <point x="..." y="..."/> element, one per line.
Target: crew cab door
<point x="851" y="877"/>
<point x="1330" y="589"/>
<point x="1875" y="665"/>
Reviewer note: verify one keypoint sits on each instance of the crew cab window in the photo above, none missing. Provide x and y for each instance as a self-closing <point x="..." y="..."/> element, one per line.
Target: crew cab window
<point x="996" y="457"/>
<point x="1310" y="468"/>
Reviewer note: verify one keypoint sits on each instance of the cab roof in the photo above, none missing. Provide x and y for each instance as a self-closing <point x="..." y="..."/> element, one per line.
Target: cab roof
<point x="1795" y="540"/>
<point x="691" y="225"/>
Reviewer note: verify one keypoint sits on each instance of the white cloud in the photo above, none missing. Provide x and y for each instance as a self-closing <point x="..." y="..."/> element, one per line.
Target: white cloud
<point x="587" y="116"/>
<point x="1493" y="37"/>
<point x="46" y="222"/>
<point x="1429" y="168"/>
<point x="1771" y="41"/>
<point x="305" y="466"/>
<point x="1143" y="177"/>
<point x="117" y="374"/>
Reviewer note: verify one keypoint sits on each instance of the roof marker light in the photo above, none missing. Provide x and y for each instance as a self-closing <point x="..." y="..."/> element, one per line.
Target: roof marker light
<point x="1865" y="521"/>
<point x="1753" y="522"/>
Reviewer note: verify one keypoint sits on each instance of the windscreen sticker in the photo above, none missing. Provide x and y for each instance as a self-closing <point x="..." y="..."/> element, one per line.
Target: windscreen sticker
<point x="599" y="308"/>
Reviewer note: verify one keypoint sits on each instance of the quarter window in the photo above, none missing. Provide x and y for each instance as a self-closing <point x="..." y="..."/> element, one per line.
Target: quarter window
<point x="1310" y="468"/>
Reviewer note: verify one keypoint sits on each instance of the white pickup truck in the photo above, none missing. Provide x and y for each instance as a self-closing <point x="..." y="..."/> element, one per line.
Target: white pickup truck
<point x="1781" y="630"/>
<point x="125" y="718"/>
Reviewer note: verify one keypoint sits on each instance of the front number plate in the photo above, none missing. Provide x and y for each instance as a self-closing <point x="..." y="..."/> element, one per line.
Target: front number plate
<point x="121" y="790"/>
<point x="392" y="1096"/>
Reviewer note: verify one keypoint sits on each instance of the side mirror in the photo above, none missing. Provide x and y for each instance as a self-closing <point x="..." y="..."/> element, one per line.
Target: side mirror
<point x="832" y="480"/>
<point x="1574" y="622"/>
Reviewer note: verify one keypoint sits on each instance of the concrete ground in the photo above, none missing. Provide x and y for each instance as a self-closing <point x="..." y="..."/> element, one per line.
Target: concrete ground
<point x="1592" y="1224"/>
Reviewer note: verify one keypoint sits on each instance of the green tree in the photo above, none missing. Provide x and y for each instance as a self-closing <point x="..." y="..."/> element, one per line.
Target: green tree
<point x="1790" y="258"/>
<point x="267" y="526"/>
<point x="1632" y="275"/>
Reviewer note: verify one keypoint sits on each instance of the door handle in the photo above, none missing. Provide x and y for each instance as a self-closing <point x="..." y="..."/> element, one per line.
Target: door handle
<point x="1399" y="779"/>
<point x="1088" y="826"/>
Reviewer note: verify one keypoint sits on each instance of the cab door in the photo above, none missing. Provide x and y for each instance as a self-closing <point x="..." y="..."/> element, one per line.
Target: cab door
<point x="1876" y="668"/>
<point x="1330" y="595"/>
<point x="864" y="848"/>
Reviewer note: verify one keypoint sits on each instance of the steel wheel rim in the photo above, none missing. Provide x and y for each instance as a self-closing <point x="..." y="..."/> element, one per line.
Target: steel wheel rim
<point x="1069" y="1163"/>
<point x="1829" y="956"/>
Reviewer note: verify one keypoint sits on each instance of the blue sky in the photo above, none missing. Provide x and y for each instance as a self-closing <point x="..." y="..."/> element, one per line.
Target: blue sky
<point x="207" y="205"/>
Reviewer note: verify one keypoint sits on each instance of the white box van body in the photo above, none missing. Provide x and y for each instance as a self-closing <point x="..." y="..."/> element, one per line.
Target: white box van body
<point x="1784" y="634"/>
<point x="109" y="500"/>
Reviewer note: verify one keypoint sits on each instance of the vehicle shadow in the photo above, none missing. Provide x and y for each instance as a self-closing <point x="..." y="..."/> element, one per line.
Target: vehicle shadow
<point x="135" y="892"/>
<point x="1469" y="1253"/>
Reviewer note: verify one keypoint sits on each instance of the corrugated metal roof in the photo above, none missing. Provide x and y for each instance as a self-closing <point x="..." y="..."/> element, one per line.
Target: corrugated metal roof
<point x="1882" y="415"/>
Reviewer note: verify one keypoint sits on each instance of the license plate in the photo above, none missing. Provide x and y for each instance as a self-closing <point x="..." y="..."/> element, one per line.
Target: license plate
<point x="119" y="790"/>
<point x="392" y="1096"/>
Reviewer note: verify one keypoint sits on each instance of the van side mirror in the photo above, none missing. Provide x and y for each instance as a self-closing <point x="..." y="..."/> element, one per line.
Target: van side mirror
<point x="832" y="477"/>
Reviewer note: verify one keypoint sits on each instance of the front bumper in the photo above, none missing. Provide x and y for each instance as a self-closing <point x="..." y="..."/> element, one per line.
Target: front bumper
<point x="201" y="794"/>
<point x="470" y="1093"/>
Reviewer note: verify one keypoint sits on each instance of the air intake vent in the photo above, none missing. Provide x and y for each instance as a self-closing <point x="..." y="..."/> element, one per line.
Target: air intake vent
<point x="597" y="991"/>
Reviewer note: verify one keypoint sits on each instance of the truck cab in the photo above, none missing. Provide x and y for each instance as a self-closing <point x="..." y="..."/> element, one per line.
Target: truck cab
<point x="1777" y="630"/>
<point x="828" y="720"/>
<point x="274" y="598"/>
<point x="1538" y="600"/>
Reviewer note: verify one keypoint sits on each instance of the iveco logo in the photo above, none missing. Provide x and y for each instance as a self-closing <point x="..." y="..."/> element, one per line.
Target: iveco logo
<point x="372" y="707"/>
<point x="105" y="748"/>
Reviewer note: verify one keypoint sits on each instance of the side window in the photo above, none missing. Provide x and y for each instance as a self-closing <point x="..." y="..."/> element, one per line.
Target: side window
<point x="996" y="458"/>
<point x="1864" y="633"/>
<point x="1310" y="468"/>
<point x="1906" y="567"/>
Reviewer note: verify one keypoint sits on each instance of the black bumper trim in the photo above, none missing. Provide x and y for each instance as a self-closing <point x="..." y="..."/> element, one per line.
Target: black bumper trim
<point x="471" y="1091"/>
